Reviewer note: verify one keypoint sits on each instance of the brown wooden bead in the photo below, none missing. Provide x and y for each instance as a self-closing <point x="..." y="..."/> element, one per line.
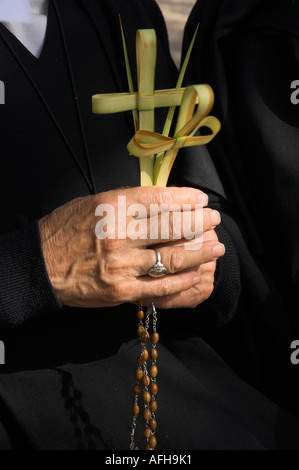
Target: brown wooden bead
<point x="154" y="389"/>
<point x="153" y="406"/>
<point x="140" y="330"/>
<point x="145" y="354"/>
<point x="147" y="414"/>
<point x="154" y="338"/>
<point x="139" y="374"/>
<point x="148" y="448"/>
<point x="140" y="315"/>
<point x="146" y="397"/>
<point x="145" y="336"/>
<point x="146" y="380"/>
<point x="136" y="389"/>
<point x="140" y="360"/>
<point x="154" y="371"/>
<point x="153" y="424"/>
<point x="154" y="354"/>
<point x="135" y="410"/>
<point x="152" y="442"/>
<point x="147" y="433"/>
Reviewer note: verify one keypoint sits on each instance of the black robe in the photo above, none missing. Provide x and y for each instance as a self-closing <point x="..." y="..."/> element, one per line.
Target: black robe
<point x="248" y="52"/>
<point x="69" y="372"/>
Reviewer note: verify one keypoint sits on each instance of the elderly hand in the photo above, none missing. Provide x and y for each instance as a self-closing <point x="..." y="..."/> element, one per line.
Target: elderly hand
<point x="198" y="293"/>
<point x="86" y="271"/>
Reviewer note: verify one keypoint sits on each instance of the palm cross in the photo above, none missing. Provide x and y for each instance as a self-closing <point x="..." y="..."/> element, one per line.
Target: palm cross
<point x="157" y="152"/>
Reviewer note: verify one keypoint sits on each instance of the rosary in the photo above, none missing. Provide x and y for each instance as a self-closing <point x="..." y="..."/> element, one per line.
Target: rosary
<point x="146" y="378"/>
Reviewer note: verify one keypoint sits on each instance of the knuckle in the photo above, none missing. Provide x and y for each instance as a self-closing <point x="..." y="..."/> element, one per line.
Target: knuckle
<point x="105" y="197"/>
<point x="108" y="268"/>
<point x="164" y="286"/>
<point x="176" y="261"/>
<point x="175" y="225"/>
<point x="110" y="246"/>
<point x="113" y="264"/>
<point x="100" y="200"/>
<point x="163" y="196"/>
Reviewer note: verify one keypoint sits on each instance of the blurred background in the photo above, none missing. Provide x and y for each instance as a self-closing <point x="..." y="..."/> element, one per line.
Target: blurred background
<point x="176" y="13"/>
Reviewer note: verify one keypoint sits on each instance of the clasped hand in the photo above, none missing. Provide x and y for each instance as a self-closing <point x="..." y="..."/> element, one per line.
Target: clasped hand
<point x="86" y="271"/>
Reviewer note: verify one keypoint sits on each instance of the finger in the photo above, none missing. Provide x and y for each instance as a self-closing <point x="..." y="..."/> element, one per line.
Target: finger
<point x="209" y="235"/>
<point x="176" y="259"/>
<point x="149" y="287"/>
<point x="187" y="299"/>
<point x="196" y="295"/>
<point x="169" y="226"/>
<point x="148" y="195"/>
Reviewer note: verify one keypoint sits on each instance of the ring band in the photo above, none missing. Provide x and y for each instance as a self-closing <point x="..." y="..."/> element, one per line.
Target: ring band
<point x="158" y="269"/>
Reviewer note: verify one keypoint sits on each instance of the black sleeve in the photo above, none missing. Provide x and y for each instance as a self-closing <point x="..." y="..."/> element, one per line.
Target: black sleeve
<point x="194" y="167"/>
<point x="221" y="306"/>
<point x="26" y="290"/>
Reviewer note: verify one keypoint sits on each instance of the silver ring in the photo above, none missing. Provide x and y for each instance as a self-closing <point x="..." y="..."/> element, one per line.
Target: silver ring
<point x="158" y="269"/>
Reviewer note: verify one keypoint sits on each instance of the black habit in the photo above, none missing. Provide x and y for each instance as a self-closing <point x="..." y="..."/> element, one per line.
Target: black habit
<point x="248" y="52"/>
<point x="67" y="382"/>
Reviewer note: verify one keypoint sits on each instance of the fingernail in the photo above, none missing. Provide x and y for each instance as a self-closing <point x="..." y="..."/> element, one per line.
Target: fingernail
<point x="215" y="218"/>
<point x="196" y="279"/>
<point x="218" y="250"/>
<point x="202" y="200"/>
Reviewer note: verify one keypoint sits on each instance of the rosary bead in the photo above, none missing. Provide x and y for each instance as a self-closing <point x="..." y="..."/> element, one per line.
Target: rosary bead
<point x="145" y="336"/>
<point x="153" y="406"/>
<point x="147" y="414"/>
<point x="155" y="338"/>
<point x="154" y="371"/>
<point x="145" y="354"/>
<point x="140" y="315"/>
<point x="153" y="442"/>
<point x="135" y="410"/>
<point x="146" y="397"/>
<point x="146" y="380"/>
<point x="140" y="330"/>
<point x="139" y="374"/>
<point x="154" y="354"/>
<point x="140" y="360"/>
<point x="147" y="433"/>
<point x="153" y="424"/>
<point x="154" y="389"/>
<point x="136" y="389"/>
